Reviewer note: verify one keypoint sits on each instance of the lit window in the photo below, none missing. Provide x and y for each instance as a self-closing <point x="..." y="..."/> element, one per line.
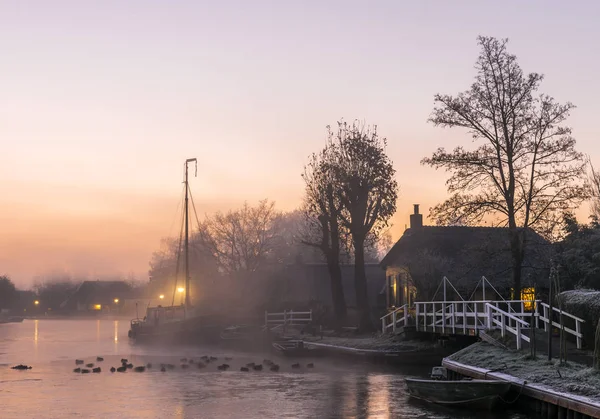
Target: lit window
<point x="97" y="306"/>
<point x="528" y="297"/>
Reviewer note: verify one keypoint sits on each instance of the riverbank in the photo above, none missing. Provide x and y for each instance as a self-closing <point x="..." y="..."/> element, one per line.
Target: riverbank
<point x="383" y="343"/>
<point x="572" y="378"/>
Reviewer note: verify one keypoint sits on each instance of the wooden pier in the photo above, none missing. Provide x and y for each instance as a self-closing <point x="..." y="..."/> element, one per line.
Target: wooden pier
<point x="540" y="402"/>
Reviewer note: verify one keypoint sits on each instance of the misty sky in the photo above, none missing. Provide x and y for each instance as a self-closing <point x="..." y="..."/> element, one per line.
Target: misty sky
<point x="102" y="101"/>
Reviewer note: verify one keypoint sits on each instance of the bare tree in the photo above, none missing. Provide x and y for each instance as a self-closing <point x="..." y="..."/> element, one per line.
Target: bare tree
<point x="525" y="171"/>
<point x="241" y="240"/>
<point x="367" y="191"/>
<point x="594" y="182"/>
<point x="322" y="210"/>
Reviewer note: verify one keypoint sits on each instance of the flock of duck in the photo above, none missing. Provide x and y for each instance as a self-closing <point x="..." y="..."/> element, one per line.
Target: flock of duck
<point x="185" y="363"/>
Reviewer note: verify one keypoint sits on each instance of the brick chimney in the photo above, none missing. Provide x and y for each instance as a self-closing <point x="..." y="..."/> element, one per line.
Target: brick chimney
<point x="416" y="219"/>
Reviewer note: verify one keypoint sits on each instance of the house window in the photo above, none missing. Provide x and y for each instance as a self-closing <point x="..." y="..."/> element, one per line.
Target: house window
<point x="528" y="297"/>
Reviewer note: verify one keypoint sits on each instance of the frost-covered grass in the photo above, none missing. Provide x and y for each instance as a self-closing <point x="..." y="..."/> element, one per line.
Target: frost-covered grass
<point x="572" y="378"/>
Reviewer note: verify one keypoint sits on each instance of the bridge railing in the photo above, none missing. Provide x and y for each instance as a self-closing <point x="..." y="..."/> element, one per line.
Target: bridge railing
<point x="545" y="318"/>
<point x="500" y="319"/>
<point x="395" y="319"/>
<point x="287" y="318"/>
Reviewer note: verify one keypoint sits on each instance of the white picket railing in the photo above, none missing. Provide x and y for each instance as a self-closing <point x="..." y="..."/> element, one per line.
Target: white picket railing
<point x="395" y="319"/>
<point x="469" y="317"/>
<point x="499" y="319"/>
<point x="287" y="318"/>
<point x="546" y="319"/>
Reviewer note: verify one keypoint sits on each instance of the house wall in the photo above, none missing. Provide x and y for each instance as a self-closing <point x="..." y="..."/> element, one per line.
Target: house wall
<point x="400" y="288"/>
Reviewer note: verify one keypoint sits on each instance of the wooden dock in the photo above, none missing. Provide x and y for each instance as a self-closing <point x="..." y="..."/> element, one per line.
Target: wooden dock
<point x="544" y="403"/>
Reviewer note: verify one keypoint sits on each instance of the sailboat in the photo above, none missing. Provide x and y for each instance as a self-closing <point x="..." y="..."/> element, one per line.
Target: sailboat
<point x="181" y="323"/>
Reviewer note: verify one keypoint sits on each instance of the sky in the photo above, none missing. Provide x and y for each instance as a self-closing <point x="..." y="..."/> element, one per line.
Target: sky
<point x="101" y="102"/>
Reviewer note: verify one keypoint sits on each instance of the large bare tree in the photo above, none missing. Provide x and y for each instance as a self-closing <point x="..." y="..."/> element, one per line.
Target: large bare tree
<point x="525" y="172"/>
<point x="367" y="191"/>
<point x="322" y="209"/>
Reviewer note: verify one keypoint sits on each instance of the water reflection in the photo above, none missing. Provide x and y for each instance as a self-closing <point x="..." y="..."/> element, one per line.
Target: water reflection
<point x="332" y="390"/>
<point x="378" y="401"/>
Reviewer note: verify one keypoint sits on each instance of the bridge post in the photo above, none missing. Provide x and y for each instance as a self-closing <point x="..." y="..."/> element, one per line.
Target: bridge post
<point x="405" y="315"/>
<point x="417" y="317"/>
<point x="394" y="320"/>
<point x="383" y="325"/>
<point x="578" y="330"/>
<point x="518" y="325"/>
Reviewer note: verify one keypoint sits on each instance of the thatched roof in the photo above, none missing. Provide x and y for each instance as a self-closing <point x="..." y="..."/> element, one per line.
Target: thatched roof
<point x="465" y="254"/>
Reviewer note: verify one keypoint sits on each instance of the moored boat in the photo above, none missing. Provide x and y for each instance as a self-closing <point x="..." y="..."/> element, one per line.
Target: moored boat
<point x="477" y="394"/>
<point x="177" y="323"/>
<point x="295" y="348"/>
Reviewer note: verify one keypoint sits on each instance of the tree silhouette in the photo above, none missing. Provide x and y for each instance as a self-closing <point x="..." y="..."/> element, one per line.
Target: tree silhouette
<point x="367" y="192"/>
<point x="525" y="171"/>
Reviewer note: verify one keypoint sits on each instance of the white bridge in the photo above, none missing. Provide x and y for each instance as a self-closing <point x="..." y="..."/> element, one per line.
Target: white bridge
<point x="467" y="317"/>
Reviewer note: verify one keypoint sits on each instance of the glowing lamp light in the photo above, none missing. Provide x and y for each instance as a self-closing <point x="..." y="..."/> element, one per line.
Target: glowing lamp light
<point x="36" y="302"/>
<point x="116" y="300"/>
<point x="161" y="296"/>
<point x="97" y="307"/>
<point x="180" y="289"/>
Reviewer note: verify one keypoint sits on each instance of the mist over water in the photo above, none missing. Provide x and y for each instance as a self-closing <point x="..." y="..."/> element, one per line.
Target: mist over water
<point x="334" y="389"/>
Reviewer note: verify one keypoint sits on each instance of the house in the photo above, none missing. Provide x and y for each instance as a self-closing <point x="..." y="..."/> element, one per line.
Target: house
<point x="98" y="296"/>
<point x="417" y="263"/>
<point x="301" y="283"/>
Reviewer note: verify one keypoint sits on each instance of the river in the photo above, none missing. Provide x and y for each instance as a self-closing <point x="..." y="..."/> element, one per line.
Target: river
<point x="333" y="389"/>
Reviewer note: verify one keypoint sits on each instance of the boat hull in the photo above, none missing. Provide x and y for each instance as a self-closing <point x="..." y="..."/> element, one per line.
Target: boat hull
<point x="478" y="394"/>
<point x="194" y="330"/>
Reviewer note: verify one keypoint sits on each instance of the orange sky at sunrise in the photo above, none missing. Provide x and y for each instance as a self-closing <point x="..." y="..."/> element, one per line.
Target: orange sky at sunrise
<point x="101" y="104"/>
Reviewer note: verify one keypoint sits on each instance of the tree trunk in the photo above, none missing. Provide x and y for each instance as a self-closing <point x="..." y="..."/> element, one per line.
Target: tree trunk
<point x="517" y="256"/>
<point x="337" y="291"/>
<point x="597" y="347"/>
<point x="360" y="286"/>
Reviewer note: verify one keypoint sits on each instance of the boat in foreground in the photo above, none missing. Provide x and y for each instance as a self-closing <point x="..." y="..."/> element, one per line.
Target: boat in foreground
<point x="478" y="394"/>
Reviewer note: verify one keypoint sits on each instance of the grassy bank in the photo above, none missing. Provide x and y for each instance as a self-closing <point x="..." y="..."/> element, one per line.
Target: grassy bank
<point x="571" y="378"/>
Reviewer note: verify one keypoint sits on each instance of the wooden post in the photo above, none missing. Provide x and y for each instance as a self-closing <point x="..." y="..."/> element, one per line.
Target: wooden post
<point x="406" y="315"/>
<point x="383" y="324"/>
<point x="578" y="330"/>
<point x="518" y="325"/>
<point x="394" y="320"/>
<point x="417" y="317"/>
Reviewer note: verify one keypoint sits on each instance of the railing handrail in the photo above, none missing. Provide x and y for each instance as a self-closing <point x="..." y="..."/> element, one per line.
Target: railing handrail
<point x="507" y="314"/>
<point x="393" y="311"/>
<point x="564" y="313"/>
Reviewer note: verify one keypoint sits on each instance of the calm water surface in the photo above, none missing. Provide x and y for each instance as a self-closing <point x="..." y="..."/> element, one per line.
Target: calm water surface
<point x="51" y="390"/>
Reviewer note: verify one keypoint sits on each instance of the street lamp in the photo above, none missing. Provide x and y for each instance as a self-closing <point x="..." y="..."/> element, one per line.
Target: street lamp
<point x="36" y="302"/>
<point x="116" y="301"/>
<point x="180" y="289"/>
<point x="161" y="296"/>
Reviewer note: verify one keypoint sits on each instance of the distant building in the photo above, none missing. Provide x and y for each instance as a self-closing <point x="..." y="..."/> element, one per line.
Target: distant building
<point x="416" y="264"/>
<point x="301" y="283"/>
<point x="98" y="296"/>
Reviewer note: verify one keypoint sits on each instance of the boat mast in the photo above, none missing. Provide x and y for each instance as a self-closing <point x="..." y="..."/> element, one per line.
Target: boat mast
<point x="187" y="264"/>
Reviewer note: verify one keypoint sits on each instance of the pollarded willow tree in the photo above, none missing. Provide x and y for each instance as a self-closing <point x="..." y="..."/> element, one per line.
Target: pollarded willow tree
<point x="525" y="172"/>
<point x="365" y="185"/>
<point x="322" y="210"/>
